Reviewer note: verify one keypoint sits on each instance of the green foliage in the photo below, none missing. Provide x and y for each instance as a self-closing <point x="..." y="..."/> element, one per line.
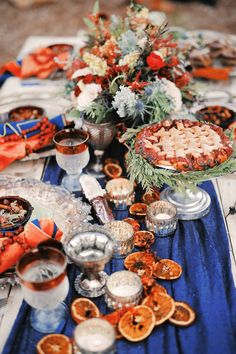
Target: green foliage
<point x="96" y="7"/>
<point x="89" y="24"/>
<point x="97" y="112"/>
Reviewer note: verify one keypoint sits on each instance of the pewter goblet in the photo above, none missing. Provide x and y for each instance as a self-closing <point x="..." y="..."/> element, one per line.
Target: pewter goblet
<point x="101" y="135"/>
<point x="90" y="248"/>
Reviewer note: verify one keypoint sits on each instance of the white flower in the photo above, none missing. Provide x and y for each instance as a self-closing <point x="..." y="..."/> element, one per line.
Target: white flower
<point x="124" y="102"/>
<point x="157" y="18"/>
<point x="81" y="72"/>
<point x="97" y="65"/>
<point x="130" y="59"/>
<point x="172" y="90"/>
<point x="142" y="42"/>
<point x="89" y="92"/>
<point x="144" y="13"/>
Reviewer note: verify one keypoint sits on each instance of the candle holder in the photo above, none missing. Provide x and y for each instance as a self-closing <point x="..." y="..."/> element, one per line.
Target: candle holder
<point x="161" y="218"/>
<point x="90" y="248"/>
<point x="95" y="336"/>
<point x="120" y="191"/>
<point x="123" y="289"/>
<point x="123" y="237"/>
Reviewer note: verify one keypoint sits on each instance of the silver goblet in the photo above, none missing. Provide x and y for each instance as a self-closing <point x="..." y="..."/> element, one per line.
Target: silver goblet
<point x="91" y="247"/>
<point x="101" y="135"/>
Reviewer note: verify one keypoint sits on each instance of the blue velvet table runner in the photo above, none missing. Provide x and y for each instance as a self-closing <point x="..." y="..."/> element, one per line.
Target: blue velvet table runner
<point x="202" y="248"/>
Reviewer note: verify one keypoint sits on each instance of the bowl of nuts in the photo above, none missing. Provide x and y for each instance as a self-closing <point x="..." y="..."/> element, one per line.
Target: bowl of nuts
<point x="14" y="212"/>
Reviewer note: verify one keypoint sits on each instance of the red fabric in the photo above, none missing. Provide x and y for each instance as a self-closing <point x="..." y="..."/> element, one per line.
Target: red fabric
<point x="40" y="63"/>
<point x="31" y="236"/>
<point x="10" y="152"/>
<point x="212" y="73"/>
<point x="12" y="67"/>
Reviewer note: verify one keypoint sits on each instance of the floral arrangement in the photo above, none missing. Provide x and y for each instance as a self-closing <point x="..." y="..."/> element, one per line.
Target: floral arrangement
<point x="130" y="69"/>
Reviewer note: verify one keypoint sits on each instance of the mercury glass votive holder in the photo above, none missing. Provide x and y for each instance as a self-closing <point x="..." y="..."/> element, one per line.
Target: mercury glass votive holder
<point x="120" y="191"/>
<point x="123" y="289"/>
<point x="123" y="237"/>
<point x="161" y="218"/>
<point x="94" y="336"/>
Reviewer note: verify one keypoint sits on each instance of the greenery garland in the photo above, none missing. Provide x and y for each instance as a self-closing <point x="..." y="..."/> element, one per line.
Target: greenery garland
<point x="140" y="170"/>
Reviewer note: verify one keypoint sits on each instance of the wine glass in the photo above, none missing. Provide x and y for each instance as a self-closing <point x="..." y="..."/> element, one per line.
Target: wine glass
<point x="72" y="155"/>
<point x="44" y="284"/>
<point x="91" y="247"/>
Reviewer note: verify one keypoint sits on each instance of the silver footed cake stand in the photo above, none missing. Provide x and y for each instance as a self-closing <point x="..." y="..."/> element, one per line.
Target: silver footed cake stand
<point x="191" y="204"/>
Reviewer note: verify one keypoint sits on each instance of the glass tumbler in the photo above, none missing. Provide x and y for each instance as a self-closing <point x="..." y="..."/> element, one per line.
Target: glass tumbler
<point x="44" y="284"/>
<point x="72" y="155"/>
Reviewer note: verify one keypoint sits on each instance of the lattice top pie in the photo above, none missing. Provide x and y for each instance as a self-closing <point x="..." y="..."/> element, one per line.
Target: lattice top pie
<point x="183" y="145"/>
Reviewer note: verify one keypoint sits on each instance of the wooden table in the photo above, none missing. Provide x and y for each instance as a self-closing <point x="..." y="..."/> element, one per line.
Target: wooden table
<point x="226" y="190"/>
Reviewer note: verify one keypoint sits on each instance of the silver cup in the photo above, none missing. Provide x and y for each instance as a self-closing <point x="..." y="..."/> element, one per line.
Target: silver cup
<point x="90" y="248"/>
<point x="101" y="135"/>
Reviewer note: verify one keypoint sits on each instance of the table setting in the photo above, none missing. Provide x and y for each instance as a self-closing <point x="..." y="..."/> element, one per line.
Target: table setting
<point x="119" y="236"/>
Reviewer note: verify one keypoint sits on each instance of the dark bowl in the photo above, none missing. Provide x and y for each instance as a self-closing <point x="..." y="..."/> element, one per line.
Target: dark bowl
<point x="25" y="204"/>
<point x="216" y="114"/>
<point x="22" y="113"/>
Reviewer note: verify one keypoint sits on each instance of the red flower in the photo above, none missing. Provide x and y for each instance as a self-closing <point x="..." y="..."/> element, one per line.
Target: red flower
<point x="173" y="61"/>
<point x="183" y="80"/>
<point x="155" y="61"/>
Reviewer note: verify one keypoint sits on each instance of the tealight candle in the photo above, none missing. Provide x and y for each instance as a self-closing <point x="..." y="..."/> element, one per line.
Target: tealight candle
<point x="95" y="336"/>
<point x="120" y="191"/>
<point x="161" y="218"/>
<point x="123" y="289"/>
<point x="123" y="236"/>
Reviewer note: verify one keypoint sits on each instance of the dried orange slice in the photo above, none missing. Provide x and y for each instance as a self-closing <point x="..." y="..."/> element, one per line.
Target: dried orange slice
<point x="142" y="269"/>
<point x="82" y="309"/>
<point x="134" y="223"/>
<point x="112" y="170"/>
<point x="137" y="323"/>
<point x="150" y="286"/>
<point x="143" y="238"/>
<point x="183" y="315"/>
<point x="54" y="344"/>
<point x="111" y="160"/>
<point x="167" y="269"/>
<point x="114" y="317"/>
<point x="158" y="289"/>
<point x="138" y="259"/>
<point x="162" y="305"/>
<point x="138" y="209"/>
<point x="151" y="196"/>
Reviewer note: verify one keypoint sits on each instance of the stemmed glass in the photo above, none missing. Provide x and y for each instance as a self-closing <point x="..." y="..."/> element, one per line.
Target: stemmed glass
<point x="91" y="247"/>
<point x="44" y="284"/>
<point x="101" y="135"/>
<point x="72" y="155"/>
